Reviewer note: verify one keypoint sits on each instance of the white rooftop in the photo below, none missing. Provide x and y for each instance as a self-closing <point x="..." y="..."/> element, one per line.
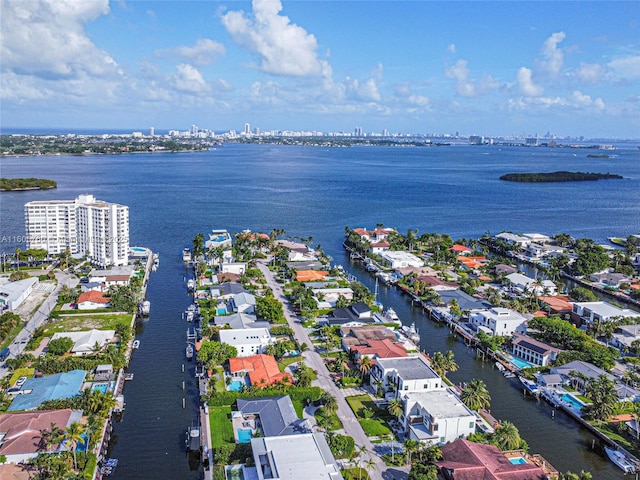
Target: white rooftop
<point x="441" y="403"/>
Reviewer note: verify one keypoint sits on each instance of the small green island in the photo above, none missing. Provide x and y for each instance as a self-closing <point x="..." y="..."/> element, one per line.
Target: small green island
<point x="19" y="184"/>
<point x="562" y="176"/>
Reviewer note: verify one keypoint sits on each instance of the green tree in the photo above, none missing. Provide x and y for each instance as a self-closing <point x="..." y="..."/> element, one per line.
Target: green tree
<point x="73" y="434"/>
<point x="411" y="446"/>
<point x="602" y="393"/>
<point x="475" y="395"/>
<point x="60" y="346"/>
<point x="395" y="407"/>
<point x="364" y="365"/>
<point x="507" y="436"/>
<point x="198" y="245"/>
<point x="269" y="308"/>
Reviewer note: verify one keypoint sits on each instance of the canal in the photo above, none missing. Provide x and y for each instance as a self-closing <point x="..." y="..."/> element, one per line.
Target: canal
<point x="549" y="432"/>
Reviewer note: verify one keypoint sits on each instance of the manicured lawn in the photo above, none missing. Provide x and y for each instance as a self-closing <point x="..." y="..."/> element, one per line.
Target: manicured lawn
<point x="286" y="361"/>
<point x="336" y="424"/>
<point x="375" y="426"/>
<point x="22" y="372"/>
<point x="355" y="473"/>
<point x="221" y="426"/>
<point x="87" y="322"/>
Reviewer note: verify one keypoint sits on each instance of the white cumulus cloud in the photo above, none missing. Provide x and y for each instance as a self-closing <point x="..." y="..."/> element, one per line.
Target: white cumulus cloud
<point x="188" y="79"/>
<point x="525" y="83"/>
<point x="283" y="47"/>
<point x="204" y="52"/>
<point x="466" y="86"/>
<point x="553" y="57"/>
<point x="47" y="38"/>
<point x="590" y="73"/>
<point x="627" y="68"/>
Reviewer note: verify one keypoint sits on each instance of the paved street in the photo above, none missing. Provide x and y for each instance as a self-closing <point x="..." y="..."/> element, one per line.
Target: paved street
<point x="351" y="426"/>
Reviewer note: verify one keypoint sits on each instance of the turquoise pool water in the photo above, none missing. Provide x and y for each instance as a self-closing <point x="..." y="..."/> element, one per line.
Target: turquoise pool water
<point x="572" y="401"/>
<point x="518" y="460"/>
<point x="518" y="362"/>
<point x="244" y="435"/>
<point x="236" y="386"/>
<point x="103" y="387"/>
<point x="138" y="249"/>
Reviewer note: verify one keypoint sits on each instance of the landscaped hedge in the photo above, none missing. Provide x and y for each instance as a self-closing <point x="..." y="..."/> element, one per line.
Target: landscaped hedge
<point x="297" y="394"/>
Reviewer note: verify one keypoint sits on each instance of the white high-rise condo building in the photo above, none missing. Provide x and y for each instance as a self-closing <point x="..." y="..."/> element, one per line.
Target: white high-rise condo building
<point x="85" y="226"/>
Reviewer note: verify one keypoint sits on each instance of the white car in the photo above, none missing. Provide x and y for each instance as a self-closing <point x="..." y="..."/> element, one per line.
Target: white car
<point x="20" y="382"/>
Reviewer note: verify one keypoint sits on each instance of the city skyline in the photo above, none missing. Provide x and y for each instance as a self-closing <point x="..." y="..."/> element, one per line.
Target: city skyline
<point x="487" y="68"/>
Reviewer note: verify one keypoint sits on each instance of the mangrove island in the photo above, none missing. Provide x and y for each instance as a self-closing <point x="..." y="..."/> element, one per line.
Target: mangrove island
<point x="557" y="177"/>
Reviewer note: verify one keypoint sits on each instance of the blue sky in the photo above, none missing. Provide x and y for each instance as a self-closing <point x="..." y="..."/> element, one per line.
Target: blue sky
<point x="491" y="68"/>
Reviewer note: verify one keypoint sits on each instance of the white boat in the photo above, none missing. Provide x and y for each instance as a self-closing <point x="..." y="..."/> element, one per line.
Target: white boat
<point x="136" y="344"/>
<point x="620" y="459"/>
<point x="410" y="332"/>
<point x="500" y="367"/>
<point x="191" y="284"/>
<point x="189" y="352"/>
<point x="529" y="385"/>
<point x="144" y="308"/>
<point x="128" y="376"/>
<point x="391" y="314"/>
<point x="186" y="255"/>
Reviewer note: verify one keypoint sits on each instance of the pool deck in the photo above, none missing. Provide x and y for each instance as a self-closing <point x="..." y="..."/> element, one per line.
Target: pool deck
<point x="536" y="459"/>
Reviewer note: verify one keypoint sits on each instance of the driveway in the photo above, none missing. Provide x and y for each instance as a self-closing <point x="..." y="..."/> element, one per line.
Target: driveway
<point x="351" y="426"/>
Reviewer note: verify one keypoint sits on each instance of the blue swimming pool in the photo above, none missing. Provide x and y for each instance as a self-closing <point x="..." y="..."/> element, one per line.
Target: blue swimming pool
<point x="518" y="460"/>
<point x="244" y="435"/>
<point x="236" y="386"/>
<point x="138" y="250"/>
<point x="102" y="387"/>
<point x="572" y="401"/>
<point x="518" y="362"/>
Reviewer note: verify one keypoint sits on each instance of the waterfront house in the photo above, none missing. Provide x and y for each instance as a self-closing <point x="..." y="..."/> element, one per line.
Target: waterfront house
<point x="112" y="277"/>
<point x="12" y="294"/>
<point x="379" y="349"/>
<point x="465" y="301"/>
<point x="532" y="350"/>
<point x="289" y="457"/>
<point x="261" y="369"/>
<point x="419" y="271"/>
<point x="240" y="321"/>
<point x="377" y="235"/>
<point x="52" y="387"/>
<point x="306" y="265"/>
<point x="498" y="321"/>
<point x="404" y="375"/>
<point x="248" y="341"/>
<point x="237" y="268"/>
<point x="224" y="291"/>
<point x="513" y="240"/>
<point x="520" y="284"/>
<point x="536" y="251"/>
<point x="609" y="279"/>
<point x="579" y="373"/>
<point x="590" y="312"/>
<point x="400" y="259"/>
<point x="502" y="269"/>
<point x="436" y="417"/>
<point x="244" y="302"/>
<point x="311" y="275"/>
<point x="356" y="315"/>
<point x="458" y="249"/>
<point x="273" y="416"/>
<point x="472" y="263"/>
<point x="103" y="373"/>
<point x="92" y="300"/>
<point x="549" y="380"/>
<point x="87" y="342"/>
<point x="21" y="433"/>
<point x="355" y="336"/>
<point x="465" y="460"/>
<point x="378" y="247"/>
<point x="218" y="238"/>
<point x="329" y="296"/>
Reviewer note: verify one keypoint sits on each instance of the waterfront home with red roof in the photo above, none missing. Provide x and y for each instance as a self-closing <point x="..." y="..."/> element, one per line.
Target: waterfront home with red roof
<point x="379" y="349"/>
<point x="311" y="275"/>
<point x="92" y="300"/>
<point x="379" y="247"/>
<point x="261" y="369"/>
<point x="557" y="305"/>
<point x="460" y="250"/>
<point x="20" y="433"/>
<point x="465" y="460"/>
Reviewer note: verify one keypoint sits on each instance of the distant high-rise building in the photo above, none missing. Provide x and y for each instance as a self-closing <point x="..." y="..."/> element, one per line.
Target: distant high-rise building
<point x="85" y="226"/>
<point x="152" y="131"/>
<point x="358" y="132"/>
<point x="194" y="130"/>
<point x="247" y="129"/>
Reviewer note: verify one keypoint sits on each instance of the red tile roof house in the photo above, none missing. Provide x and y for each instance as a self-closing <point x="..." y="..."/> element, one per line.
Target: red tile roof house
<point x="460" y="250"/>
<point x="20" y="434"/>
<point x="92" y="300"/>
<point x="379" y="349"/>
<point x="262" y="370"/>
<point x="465" y="460"/>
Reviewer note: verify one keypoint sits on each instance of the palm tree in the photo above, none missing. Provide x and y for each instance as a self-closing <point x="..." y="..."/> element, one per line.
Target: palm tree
<point x="603" y="395"/>
<point x="73" y="434"/>
<point x="370" y="465"/>
<point x="396" y="407"/>
<point x="330" y="403"/>
<point x="450" y="363"/>
<point x="636" y="418"/>
<point x="507" y="436"/>
<point x="475" y="395"/>
<point x="411" y="446"/>
<point x="198" y="245"/>
<point x="364" y="365"/>
<point x="362" y="450"/>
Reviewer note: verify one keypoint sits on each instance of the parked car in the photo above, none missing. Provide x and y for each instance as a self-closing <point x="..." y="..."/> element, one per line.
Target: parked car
<point x="20" y="381"/>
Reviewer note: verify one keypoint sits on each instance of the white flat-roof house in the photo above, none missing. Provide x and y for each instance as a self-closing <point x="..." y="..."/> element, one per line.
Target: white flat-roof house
<point x="233" y="267"/>
<point x="437" y="417"/>
<point x="404" y="375"/>
<point x="519" y="283"/>
<point x="248" y="341"/>
<point x="589" y="312"/>
<point x="399" y="259"/>
<point x="513" y="239"/>
<point x="12" y="294"/>
<point x="538" y="252"/>
<point x="294" y="457"/>
<point x="86" y="342"/>
<point x="498" y="321"/>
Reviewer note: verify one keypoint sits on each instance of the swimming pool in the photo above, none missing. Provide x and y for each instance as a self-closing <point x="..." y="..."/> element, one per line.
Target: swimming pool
<point x="138" y="250"/>
<point x="244" y="435"/>
<point x="518" y="362"/>
<point x="572" y="401"/>
<point x="518" y="460"/>
<point x="236" y="386"/>
<point x="103" y="387"/>
<point x="235" y="472"/>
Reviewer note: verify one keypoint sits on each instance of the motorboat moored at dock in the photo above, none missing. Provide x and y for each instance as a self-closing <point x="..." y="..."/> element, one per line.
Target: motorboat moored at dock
<point x="620" y="459"/>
